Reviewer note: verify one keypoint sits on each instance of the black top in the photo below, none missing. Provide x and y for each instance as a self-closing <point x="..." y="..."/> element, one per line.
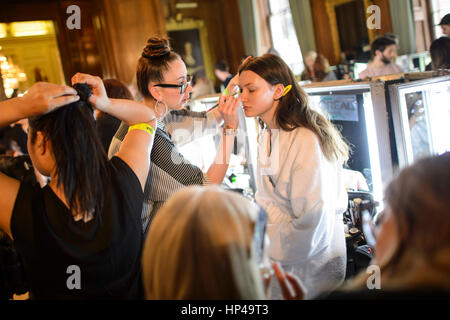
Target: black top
<point x="107" y="126"/>
<point x="107" y="249"/>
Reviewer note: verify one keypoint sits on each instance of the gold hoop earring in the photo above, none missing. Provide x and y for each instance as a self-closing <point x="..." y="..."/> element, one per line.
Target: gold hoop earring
<point x="165" y="106"/>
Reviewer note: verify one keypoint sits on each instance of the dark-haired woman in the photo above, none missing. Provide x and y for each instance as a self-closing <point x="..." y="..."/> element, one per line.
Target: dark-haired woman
<point x="79" y="236"/>
<point x="299" y="178"/>
<point x="163" y="82"/>
<point x="440" y="53"/>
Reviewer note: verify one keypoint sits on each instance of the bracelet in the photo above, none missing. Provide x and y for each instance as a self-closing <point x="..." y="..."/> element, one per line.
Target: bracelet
<point x="228" y="131"/>
<point x="142" y="126"/>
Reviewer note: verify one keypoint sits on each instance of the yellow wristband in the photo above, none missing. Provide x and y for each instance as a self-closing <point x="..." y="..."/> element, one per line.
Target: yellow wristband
<point x="142" y="126"/>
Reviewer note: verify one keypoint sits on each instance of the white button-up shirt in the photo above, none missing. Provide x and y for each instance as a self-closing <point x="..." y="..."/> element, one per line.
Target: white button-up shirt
<point x="304" y="196"/>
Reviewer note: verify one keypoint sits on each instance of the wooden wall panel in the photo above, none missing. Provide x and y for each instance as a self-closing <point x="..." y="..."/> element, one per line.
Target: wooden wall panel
<point x="78" y="48"/>
<point x="222" y="19"/>
<point x="123" y="28"/>
<point x="322" y="30"/>
<point x="386" y="22"/>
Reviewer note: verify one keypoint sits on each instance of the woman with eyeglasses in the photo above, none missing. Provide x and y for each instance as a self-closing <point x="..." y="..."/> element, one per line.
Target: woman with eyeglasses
<point x="211" y="244"/>
<point x="299" y="176"/>
<point x="163" y="82"/>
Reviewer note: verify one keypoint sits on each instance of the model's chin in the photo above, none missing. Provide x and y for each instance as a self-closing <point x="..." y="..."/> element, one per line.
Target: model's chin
<point x="248" y="113"/>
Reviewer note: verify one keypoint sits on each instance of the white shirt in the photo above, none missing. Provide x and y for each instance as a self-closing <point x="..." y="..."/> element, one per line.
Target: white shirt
<point x="304" y="196"/>
<point x="371" y="71"/>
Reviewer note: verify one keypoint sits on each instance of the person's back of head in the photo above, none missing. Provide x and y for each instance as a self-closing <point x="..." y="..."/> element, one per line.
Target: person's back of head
<point x="199" y="246"/>
<point x="440" y="53"/>
<point x="413" y="246"/>
<point x="70" y="135"/>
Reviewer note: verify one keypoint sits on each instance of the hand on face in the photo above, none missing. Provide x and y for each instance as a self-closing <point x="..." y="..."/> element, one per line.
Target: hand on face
<point x="228" y="108"/>
<point x="44" y="97"/>
<point x="99" y="99"/>
<point x="235" y="80"/>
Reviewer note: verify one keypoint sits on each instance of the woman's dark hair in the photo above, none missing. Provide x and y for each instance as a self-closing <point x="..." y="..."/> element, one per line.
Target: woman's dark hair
<point x="294" y="111"/>
<point x="440" y="53"/>
<point x="115" y="89"/>
<point x="222" y="65"/>
<point x="154" y="61"/>
<point x="80" y="159"/>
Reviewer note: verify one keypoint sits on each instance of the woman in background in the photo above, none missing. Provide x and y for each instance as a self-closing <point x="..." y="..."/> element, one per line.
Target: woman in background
<point x="322" y="72"/>
<point x="308" y="73"/>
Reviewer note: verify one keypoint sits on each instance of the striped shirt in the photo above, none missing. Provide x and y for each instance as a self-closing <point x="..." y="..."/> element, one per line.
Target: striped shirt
<point x="169" y="171"/>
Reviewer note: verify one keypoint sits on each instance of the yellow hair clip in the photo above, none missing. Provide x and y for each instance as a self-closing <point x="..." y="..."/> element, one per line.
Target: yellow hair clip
<point x="287" y="89"/>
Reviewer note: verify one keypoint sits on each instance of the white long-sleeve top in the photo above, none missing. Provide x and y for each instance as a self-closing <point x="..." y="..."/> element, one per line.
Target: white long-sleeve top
<point x="304" y="196"/>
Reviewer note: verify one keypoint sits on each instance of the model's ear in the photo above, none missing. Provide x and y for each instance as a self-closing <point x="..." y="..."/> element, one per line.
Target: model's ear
<point x="379" y="53"/>
<point x="278" y="92"/>
<point x="40" y="143"/>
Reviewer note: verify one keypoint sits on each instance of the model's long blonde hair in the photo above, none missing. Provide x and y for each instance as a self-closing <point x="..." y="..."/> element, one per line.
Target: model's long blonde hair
<point x="199" y="246"/>
<point x="419" y="203"/>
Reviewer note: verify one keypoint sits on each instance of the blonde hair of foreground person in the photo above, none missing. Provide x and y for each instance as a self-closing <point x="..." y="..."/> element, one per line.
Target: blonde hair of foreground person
<point x="200" y="247"/>
<point x="413" y="247"/>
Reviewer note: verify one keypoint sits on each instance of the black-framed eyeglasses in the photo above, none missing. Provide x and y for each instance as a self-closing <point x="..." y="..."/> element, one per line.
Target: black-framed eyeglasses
<point x="183" y="87"/>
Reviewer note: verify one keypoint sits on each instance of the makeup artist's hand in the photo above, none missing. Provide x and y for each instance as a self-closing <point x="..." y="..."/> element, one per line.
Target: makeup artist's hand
<point x="99" y="99"/>
<point x="289" y="284"/>
<point x="235" y="80"/>
<point x="228" y="108"/>
<point x="43" y="97"/>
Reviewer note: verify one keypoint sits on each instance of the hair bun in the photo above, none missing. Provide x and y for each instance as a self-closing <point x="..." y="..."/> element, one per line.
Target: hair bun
<point x="83" y="90"/>
<point x="156" y="48"/>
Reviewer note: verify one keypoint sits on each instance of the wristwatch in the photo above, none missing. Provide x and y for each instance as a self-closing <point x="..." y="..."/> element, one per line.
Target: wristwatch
<point x="229" y="131"/>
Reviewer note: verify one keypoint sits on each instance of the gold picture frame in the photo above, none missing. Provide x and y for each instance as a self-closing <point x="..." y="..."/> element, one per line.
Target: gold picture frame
<point x="189" y="38"/>
<point x="331" y="13"/>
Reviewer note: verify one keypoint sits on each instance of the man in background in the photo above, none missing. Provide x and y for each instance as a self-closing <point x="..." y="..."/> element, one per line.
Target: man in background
<point x="384" y="51"/>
